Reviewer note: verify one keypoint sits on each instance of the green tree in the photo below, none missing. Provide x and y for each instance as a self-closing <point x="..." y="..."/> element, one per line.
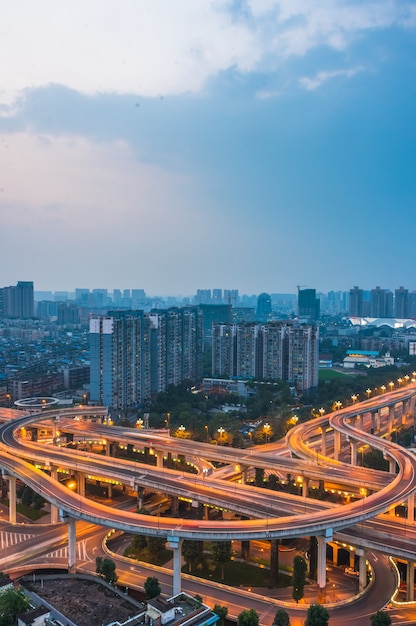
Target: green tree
<point x="198" y="599"/>
<point x="27" y="496"/>
<point x="12" y="602"/>
<point x="191" y="552"/>
<point x="221" y="553"/>
<point x="98" y="564"/>
<point x="248" y="617"/>
<point x="281" y="618"/>
<point x="381" y="618"/>
<point x="152" y="587"/>
<point x="108" y="570"/>
<point x="317" y="615"/>
<point x="222" y="612"/>
<point x="299" y="576"/>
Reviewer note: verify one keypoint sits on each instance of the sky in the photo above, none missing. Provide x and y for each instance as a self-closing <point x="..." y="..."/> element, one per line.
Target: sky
<point x="172" y="145"/>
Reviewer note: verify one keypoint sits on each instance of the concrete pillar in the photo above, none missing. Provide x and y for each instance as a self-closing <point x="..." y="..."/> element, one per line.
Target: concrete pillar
<point x="72" y="545"/>
<point x="353" y="448"/>
<point x="373" y="421"/>
<point x="159" y="459"/>
<point x="410" y="578"/>
<point x="362" y="569"/>
<point x="107" y="448"/>
<point x="337" y="444"/>
<point x="12" y="498"/>
<point x="392" y="465"/>
<point x="54" y="509"/>
<point x="406" y="411"/>
<point x="80" y="477"/>
<point x="140" y="492"/>
<point x="175" y="544"/>
<point x="175" y="506"/>
<point x="321" y="570"/>
<point x="305" y="487"/>
<point x="391" y="418"/>
<point x="323" y="441"/>
<point x="360" y="421"/>
<point x="335" y="549"/>
<point x="411" y="508"/>
<point x="110" y="491"/>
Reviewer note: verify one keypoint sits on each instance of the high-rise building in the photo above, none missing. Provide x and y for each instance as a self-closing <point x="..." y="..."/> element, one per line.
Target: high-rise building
<point x="120" y="360"/>
<point x="264" y="307"/>
<point x="401" y="303"/>
<point x="381" y="303"/>
<point x="274" y="351"/>
<point x="136" y="354"/>
<point x="18" y="301"/>
<point x="308" y="305"/>
<point x="356" y="302"/>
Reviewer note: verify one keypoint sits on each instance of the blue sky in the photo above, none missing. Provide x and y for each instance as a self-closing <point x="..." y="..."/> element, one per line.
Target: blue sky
<point x="172" y="145"/>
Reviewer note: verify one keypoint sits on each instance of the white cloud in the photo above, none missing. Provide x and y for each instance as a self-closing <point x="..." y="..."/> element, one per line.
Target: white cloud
<point x="322" y="77"/>
<point x="155" y="47"/>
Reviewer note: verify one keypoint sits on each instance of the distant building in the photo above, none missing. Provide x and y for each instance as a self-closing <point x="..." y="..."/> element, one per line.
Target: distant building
<point x="264" y="307"/>
<point x="18" y="301"/>
<point x="401" y="303"/>
<point x="308" y="305"/>
<point x="381" y="303"/>
<point x="38" y="616"/>
<point x="356" y="302"/>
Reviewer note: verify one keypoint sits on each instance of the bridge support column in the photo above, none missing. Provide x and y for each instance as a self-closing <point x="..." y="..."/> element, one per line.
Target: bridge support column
<point x="360" y="421"/>
<point x="335" y="549"/>
<point x="406" y="411"/>
<point x="72" y="545"/>
<point x="337" y="444"/>
<point x="54" y="509"/>
<point x="175" y="544"/>
<point x="410" y="578"/>
<point x="159" y="459"/>
<point x="305" y="487"/>
<point x="321" y="570"/>
<point x="80" y="477"/>
<point x="362" y="568"/>
<point x="392" y="465"/>
<point x="353" y="448"/>
<point x="140" y="492"/>
<point x="411" y="508"/>
<point x="373" y="421"/>
<point x="391" y="418"/>
<point x="175" y="506"/>
<point x="323" y="441"/>
<point x="12" y="498"/>
<point x="110" y="491"/>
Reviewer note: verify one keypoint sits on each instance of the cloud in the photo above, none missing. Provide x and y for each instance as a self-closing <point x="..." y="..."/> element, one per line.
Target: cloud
<point x="156" y="47"/>
<point x="322" y="77"/>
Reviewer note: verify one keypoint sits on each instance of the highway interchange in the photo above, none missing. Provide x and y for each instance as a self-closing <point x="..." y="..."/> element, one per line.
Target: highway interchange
<point x="273" y="515"/>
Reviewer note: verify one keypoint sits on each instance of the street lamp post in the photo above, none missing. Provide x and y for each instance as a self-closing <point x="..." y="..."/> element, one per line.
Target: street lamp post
<point x="221" y="431"/>
<point x="266" y="429"/>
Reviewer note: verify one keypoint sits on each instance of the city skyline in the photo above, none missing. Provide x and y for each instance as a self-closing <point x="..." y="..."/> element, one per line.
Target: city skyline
<point x="265" y="144"/>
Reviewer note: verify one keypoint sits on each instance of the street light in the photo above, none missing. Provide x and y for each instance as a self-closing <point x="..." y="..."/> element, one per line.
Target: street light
<point x="354" y="397"/>
<point x="206" y="432"/>
<point x="383" y="388"/>
<point x="391" y="385"/>
<point x="267" y="429"/>
<point x="368" y="392"/>
<point x="139" y="423"/>
<point x="321" y="411"/>
<point x="221" y="431"/>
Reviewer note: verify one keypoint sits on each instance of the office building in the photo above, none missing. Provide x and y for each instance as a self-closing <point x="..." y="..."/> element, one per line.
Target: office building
<point x="264" y="307"/>
<point x="308" y="305"/>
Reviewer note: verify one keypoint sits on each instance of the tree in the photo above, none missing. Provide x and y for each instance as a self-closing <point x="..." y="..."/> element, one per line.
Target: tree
<point x="299" y="576"/>
<point x="248" y="617"/>
<point x="152" y="587"/>
<point x="106" y="568"/>
<point x="381" y="618"/>
<point x="221" y="553"/>
<point x="281" y="618"/>
<point x="12" y="602"/>
<point x="317" y="615"/>
<point x="191" y="552"/>
<point x="222" y="612"/>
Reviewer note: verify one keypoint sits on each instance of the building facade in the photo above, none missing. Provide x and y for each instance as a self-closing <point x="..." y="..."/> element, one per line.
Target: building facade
<point x="135" y="354"/>
<point x="285" y="351"/>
